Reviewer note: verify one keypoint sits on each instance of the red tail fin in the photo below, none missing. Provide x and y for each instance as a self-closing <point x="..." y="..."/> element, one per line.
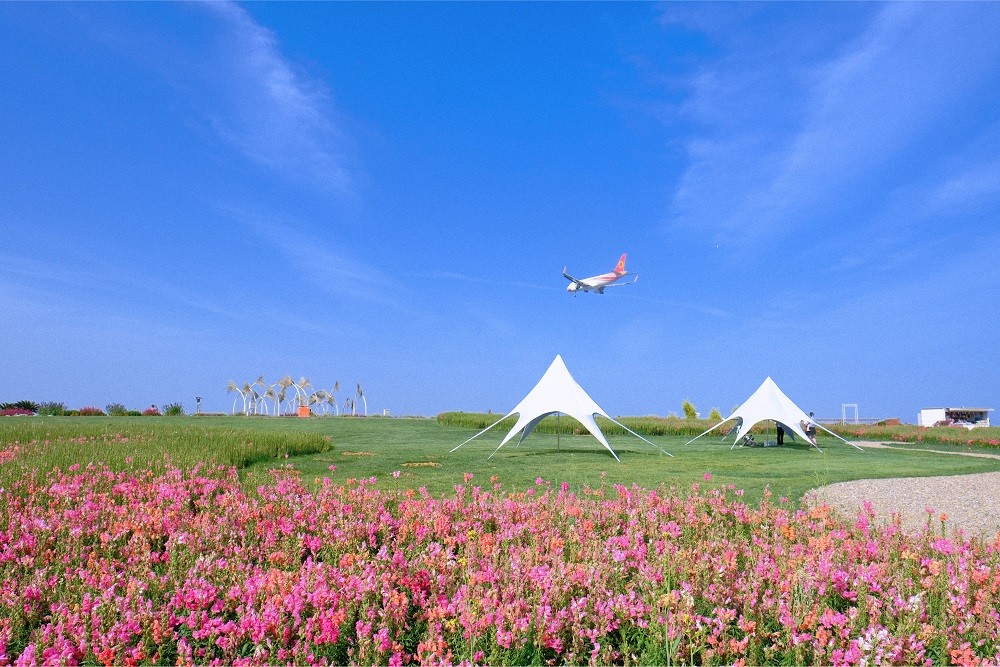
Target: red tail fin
<point x="620" y="268"/>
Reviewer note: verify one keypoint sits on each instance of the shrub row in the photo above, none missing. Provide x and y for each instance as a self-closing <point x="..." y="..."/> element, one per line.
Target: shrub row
<point x="651" y="425"/>
<point x="58" y="409"/>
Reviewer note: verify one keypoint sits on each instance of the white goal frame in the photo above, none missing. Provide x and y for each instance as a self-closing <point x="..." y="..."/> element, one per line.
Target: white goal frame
<point x="843" y="412"/>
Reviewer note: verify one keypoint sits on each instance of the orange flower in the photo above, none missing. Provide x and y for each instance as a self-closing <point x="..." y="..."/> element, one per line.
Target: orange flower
<point x="106" y="657"/>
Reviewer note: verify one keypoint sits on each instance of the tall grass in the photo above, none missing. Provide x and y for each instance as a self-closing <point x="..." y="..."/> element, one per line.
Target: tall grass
<point x="644" y="425"/>
<point x="951" y="435"/>
<point x="39" y="443"/>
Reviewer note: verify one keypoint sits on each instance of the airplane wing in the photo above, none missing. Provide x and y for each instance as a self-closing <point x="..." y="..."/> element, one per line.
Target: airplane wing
<point x="634" y="279"/>
<point x="572" y="279"/>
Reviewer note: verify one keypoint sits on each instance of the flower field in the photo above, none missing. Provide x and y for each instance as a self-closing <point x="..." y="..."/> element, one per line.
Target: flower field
<point x="186" y="566"/>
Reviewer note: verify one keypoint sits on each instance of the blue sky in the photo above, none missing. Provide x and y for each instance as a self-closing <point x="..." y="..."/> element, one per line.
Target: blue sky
<point x="387" y="194"/>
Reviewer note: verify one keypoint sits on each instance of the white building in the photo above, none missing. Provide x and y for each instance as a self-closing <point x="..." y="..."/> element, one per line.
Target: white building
<point x="968" y="417"/>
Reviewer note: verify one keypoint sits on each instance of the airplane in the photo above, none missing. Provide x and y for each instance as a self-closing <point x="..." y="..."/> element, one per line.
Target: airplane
<point x="598" y="283"/>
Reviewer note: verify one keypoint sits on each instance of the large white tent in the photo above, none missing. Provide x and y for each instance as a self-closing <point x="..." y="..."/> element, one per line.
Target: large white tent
<point x="557" y="393"/>
<point x="769" y="403"/>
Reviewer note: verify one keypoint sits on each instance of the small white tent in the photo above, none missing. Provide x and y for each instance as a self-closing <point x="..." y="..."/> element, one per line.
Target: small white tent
<point x="770" y="403"/>
<point x="557" y="392"/>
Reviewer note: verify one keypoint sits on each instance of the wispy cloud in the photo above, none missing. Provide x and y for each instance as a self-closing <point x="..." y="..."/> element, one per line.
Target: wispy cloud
<point x="321" y="265"/>
<point x="232" y="74"/>
<point x="273" y="112"/>
<point x="837" y="125"/>
<point x="971" y="188"/>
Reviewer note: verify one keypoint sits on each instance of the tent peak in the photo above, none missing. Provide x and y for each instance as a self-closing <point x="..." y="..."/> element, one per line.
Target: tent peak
<point x="557" y="392"/>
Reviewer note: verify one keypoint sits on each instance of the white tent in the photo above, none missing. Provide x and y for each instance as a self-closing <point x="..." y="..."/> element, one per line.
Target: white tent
<point x="557" y="393"/>
<point x="770" y="403"/>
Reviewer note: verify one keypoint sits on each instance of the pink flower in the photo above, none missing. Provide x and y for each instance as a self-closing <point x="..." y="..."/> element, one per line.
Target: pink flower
<point x="281" y="572"/>
<point x="708" y="476"/>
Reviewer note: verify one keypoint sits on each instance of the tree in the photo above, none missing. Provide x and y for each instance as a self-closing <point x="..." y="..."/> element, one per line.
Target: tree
<point x="284" y="383"/>
<point x="248" y="401"/>
<point x="715" y="415"/>
<point x="116" y="410"/>
<point x="301" y="397"/>
<point x="234" y="387"/>
<point x="364" y="400"/>
<point x="259" y="403"/>
<point x="333" y="399"/>
<point x="173" y="410"/>
<point x="52" y="408"/>
<point x="689" y="410"/>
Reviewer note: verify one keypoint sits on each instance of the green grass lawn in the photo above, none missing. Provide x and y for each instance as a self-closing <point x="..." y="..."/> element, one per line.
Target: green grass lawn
<point x="418" y="450"/>
<point x="379" y="447"/>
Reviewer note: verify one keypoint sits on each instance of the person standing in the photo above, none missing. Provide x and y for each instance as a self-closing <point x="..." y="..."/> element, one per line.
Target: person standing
<point x="781" y="435"/>
<point x="810" y="428"/>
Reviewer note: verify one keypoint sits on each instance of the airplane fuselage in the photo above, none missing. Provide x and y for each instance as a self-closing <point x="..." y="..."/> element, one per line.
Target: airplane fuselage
<point x="595" y="283"/>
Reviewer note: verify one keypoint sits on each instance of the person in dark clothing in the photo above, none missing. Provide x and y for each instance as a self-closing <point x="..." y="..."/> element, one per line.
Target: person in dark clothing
<point x="781" y="435"/>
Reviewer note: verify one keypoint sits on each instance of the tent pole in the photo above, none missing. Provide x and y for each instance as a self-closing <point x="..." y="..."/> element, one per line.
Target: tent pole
<point x="837" y="436"/>
<point x="558" y="424"/>
<point x="706" y="432"/>
<point x="481" y="432"/>
<point x="640" y="437"/>
<point x="494" y="451"/>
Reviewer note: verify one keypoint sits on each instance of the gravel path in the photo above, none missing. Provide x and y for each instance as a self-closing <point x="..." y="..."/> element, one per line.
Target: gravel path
<point x="972" y="502"/>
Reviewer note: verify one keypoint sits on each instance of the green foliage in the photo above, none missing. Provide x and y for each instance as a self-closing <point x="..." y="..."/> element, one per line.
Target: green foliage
<point x="672" y="425"/>
<point x="173" y="410"/>
<point x="44" y="443"/>
<point x="52" y="409"/>
<point x="715" y="415"/>
<point x="30" y="406"/>
<point x="116" y="410"/>
<point x="90" y="411"/>
<point x="134" y="413"/>
<point x="920" y="435"/>
<point x="690" y="412"/>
